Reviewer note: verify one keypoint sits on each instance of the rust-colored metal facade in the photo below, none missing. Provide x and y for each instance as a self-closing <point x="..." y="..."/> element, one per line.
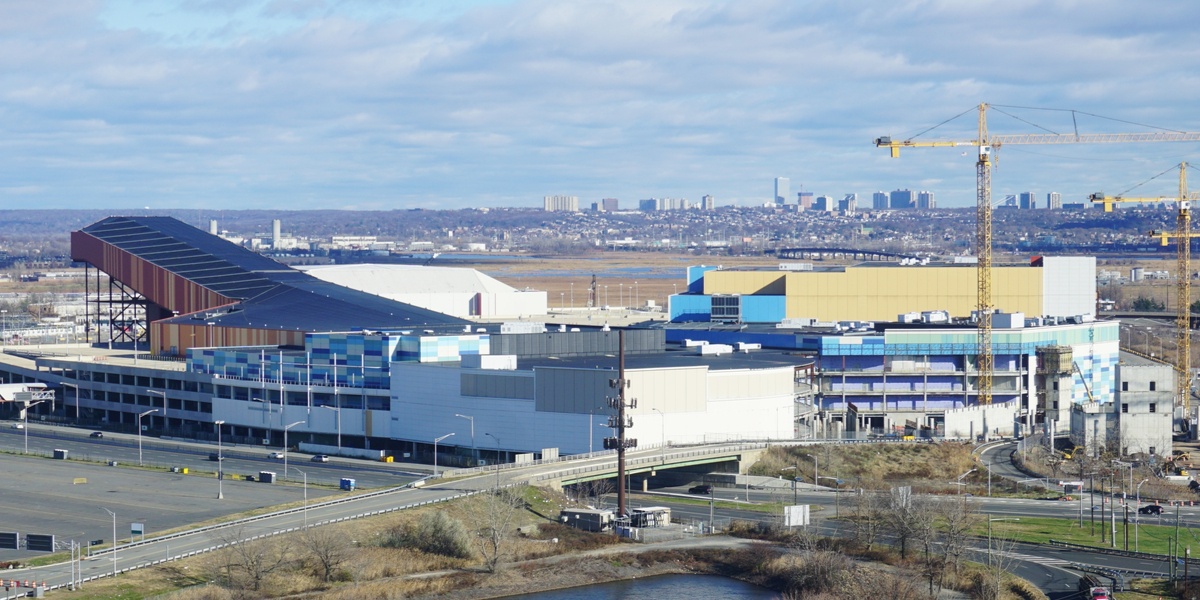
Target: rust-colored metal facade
<point x="159" y="286"/>
<point x="168" y="293"/>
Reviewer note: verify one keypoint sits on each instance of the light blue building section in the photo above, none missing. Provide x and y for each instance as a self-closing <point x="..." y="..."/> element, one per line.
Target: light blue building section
<point x="343" y="359"/>
<point x="695" y="278"/>
<point x="687" y="308"/>
<point x="935" y="368"/>
<point x="763" y="309"/>
<point x="691" y="308"/>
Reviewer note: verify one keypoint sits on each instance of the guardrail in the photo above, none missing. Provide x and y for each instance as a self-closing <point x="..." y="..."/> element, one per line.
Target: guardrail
<point x="1125" y="553"/>
<point x="240" y="522"/>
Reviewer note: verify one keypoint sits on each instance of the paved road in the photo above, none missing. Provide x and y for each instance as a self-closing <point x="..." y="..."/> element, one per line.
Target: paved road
<point x="1044" y="566"/>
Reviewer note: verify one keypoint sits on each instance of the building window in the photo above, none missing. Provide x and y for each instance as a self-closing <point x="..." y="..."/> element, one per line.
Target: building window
<point x="1125" y="386"/>
<point x="1152" y="386"/>
<point x="1124" y="407"/>
<point x="1056" y="386"/>
<point x="1153" y="408"/>
<point x="1151" y="450"/>
<point x="1056" y="405"/>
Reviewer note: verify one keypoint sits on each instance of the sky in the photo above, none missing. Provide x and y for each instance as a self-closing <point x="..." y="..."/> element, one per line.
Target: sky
<point x="401" y="104"/>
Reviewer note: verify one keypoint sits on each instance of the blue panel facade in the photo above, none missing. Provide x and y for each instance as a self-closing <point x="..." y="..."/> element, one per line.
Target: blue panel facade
<point x="686" y="308"/>
<point x="345" y="359"/>
<point x="695" y="278"/>
<point x="763" y="309"/>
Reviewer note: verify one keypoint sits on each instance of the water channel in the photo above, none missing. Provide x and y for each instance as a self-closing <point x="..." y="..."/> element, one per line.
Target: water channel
<point x="662" y="587"/>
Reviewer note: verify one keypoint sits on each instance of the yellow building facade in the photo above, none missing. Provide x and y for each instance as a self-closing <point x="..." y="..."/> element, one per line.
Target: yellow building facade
<point x="880" y="292"/>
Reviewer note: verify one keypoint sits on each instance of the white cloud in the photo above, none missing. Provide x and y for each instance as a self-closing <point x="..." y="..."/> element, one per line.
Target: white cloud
<point x="360" y="102"/>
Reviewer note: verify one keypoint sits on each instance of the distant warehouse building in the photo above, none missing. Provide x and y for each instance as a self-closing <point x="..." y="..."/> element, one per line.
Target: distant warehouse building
<point x="1046" y="286"/>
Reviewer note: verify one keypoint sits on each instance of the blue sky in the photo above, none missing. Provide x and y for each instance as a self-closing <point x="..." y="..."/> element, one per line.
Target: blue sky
<point x="393" y="104"/>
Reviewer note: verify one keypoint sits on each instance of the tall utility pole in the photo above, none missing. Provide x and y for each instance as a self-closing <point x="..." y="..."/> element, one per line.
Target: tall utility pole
<point x="620" y="422"/>
<point x="986" y="144"/>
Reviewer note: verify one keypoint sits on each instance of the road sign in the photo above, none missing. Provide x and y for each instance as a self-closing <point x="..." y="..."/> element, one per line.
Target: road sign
<point x="796" y="516"/>
<point x="10" y="540"/>
<point x="36" y="542"/>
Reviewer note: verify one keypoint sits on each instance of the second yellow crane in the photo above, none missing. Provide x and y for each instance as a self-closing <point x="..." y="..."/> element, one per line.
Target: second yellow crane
<point x="986" y="144"/>
<point x="1183" y="280"/>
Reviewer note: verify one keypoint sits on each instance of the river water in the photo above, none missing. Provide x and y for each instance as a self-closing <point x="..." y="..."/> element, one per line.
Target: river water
<point x="661" y="587"/>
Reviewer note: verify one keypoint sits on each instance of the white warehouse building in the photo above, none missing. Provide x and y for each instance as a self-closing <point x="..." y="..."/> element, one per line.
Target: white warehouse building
<point x="454" y="291"/>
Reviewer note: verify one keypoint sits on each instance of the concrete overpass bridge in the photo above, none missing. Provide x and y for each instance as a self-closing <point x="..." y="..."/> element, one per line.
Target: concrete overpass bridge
<point x="658" y="466"/>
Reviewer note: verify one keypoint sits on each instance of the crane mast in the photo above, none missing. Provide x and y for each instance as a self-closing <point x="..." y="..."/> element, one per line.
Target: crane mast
<point x="985" y="362"/>
<point x="1183" y="281"/>
<point x="983" y="227"/>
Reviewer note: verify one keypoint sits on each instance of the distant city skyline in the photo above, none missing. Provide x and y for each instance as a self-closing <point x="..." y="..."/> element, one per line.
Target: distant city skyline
<point x="358" y="104"/>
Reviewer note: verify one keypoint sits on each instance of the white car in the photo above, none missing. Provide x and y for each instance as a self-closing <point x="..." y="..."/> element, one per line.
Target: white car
<point x="18" y="426"/>
<point x="276" y="455"/>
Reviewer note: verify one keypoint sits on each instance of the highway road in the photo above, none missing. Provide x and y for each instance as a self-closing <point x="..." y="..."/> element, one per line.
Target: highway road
<point x="1041" y="565"/>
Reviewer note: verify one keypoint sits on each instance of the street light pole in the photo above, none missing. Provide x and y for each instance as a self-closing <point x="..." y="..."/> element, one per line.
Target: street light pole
<point x="25" y="426"/>
<point x="338" y="410"/>
<point x="77" y="416"/>
<point x="114" y="519"/>
<point x="164" y="408"/>
<point x="285" y="445"/>
<point x="497" y="458"/>
<point x="474" y="454"/>
<point x="816" y="468"/>
<point x="305" y="494"/>
<point x="1136" y="518"/>
<point x="220" y="462"/>
<point x="663" y="422"/>
<point x="139" y="428"/>
<point x="958" y="481"/>
<point x="435" y="443"/>
<point x="795" y="497"/>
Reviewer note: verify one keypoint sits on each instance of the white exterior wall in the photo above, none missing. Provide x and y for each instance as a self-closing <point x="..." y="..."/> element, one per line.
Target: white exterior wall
<point x="317" y="420"/>
<point x="740" y="405"/>
<point x="962" y="422"/>
<point x="1069" y="285"/>
<point x="513" y="304"/>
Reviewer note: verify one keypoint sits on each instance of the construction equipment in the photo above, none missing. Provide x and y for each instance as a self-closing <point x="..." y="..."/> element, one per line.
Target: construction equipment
<point x="1183" y="278"/>
<point x="1087" y="388"/>
<point x="983" y="226"/>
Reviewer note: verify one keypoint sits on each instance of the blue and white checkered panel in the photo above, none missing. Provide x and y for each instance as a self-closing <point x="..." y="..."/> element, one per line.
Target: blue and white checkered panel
<point x="1098" y="363"/>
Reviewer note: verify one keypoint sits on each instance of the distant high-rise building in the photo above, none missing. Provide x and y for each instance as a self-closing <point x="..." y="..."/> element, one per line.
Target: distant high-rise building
<point x="1027" y="201"/>
<point x="708" y="202"/>
<point x="560" y="203"/>
<point x="649" y="205"/>
<point x="879" y="201"/>
<point x="609" y="205"/>
<point x="781" y="189"/>
<point x="1054" y="201"/>
<point x="823" y="204"/>
<point x="848" y="204"/>
<point x="925" y="199"/>
<point x="902" y="199"/>
<point x="804" y="200"/>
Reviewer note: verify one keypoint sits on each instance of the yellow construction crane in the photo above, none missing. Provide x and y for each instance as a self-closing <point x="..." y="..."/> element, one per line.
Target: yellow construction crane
<point x="1183" y="279"/>
<point x="986" y="144"/>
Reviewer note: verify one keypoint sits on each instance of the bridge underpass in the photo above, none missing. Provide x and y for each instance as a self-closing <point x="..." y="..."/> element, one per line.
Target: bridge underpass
<point x="657" y="470"/>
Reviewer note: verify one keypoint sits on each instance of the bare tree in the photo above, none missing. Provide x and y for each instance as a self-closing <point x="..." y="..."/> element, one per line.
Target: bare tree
<point x="492" y="521"/>
<point x="869" y="507"/>
<point x="327" y="548"/>
<point x="248" y="562"/>
<point x="906" y="517"/>
<point x="959" y="517"/>
<point x="1000" y="561"/>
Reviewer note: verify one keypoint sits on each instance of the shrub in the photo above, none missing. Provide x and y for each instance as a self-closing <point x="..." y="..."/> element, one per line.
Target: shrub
<point x="433" y="533"/>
